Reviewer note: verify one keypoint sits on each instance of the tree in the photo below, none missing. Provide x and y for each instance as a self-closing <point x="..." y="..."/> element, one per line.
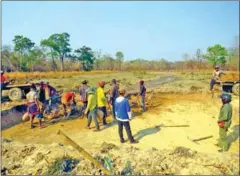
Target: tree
<point x="216" y="54"/>
<point x="120" y="58"/>
<point x="86" y="57"/>
<point x="58" y="45"/>
<point x="22" y="45"/>
<point x="6" y="53"/>
<point x="199" y="58"/>
<point x="35" y="57"/>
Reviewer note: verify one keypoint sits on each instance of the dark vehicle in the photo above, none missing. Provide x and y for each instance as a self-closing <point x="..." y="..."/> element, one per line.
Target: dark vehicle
<point x="17" y="92"/>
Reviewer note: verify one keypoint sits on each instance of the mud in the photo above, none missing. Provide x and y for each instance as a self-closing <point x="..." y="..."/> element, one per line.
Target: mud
<point x="12" y="116"/>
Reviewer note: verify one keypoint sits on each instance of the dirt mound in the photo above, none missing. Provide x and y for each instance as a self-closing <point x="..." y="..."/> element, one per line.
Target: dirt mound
<point x="230" y="77"/>
<point x="60" y="159"/>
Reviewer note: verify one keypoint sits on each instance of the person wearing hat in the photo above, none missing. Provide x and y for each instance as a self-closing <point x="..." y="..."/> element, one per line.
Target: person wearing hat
<point x="68" y="100"/>
<point x="142" y="94"/>
<point x="92" y="108"/>
<point x="123" y="116"/>
<point x="216" y="75"/>
<point x="102" y="101"/>
<point x="224" y="122"/>
<point x="33" y="107"/>
<point x="83" y="95"/>
<point x="113" y="96"/>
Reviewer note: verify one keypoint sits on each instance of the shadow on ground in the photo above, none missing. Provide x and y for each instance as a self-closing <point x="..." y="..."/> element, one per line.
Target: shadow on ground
<point x="234" y="135"/>
<point x="149" y="131"/>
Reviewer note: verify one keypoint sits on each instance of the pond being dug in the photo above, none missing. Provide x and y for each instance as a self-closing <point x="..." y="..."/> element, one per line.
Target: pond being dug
<point x="167" y="126"/>
<point x="61" y="160"/>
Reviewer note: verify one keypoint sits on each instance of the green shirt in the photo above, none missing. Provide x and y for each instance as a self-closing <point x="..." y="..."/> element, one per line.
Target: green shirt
<point x="226" y="115"/>
<point x="92" y="102"/>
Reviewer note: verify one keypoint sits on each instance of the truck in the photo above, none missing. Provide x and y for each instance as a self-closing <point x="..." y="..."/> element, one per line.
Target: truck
<point x="17" y="92"/>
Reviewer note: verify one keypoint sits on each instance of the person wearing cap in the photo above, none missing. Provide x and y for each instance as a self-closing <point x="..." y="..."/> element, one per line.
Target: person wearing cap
<point x="68" y="99"/>
<point x="142" y="94"/>
<point x="216" y="75"/>
<point x="113" y="96"/>
<point x="92" y="108"/>
<point x="83" y="95"/>
<point x="102" y="101"/>
<point x="33" y="107"/>
<point x="224" y="122"/>
<point x="123" y="116"/>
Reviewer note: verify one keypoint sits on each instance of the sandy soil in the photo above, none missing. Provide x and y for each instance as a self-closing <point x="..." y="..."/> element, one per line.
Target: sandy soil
<point x="191" y="106"/>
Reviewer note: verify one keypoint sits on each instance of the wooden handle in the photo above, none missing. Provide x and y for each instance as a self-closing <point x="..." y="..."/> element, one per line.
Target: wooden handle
<point x="84" y="153"/>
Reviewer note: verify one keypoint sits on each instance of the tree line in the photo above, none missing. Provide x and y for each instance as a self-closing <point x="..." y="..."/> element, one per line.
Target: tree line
<point x="55" y="53"/>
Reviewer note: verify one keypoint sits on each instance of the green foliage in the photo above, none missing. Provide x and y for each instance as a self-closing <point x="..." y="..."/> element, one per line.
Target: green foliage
<point x="86" y="56"/>
<point x="22" y="44"/>
<point x="119" y="58"/>
<point x="58" y="45"/>
<point x="216" y="54"/>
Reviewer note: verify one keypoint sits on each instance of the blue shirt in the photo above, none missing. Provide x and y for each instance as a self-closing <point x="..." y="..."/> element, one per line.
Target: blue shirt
<point x="122" y="109"/>
<point x="142" y="90"/>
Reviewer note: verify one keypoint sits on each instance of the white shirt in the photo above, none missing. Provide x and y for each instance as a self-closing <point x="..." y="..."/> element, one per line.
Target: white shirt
<point x="31" y="96"/>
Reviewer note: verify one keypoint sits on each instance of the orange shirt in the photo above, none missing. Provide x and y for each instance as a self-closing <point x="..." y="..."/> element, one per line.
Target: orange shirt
<point x="68" y="96"/>
<point x="3" y="79"/>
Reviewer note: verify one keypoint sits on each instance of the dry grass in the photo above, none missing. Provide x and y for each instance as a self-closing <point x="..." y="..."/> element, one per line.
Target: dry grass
<point x="43" y="75"/>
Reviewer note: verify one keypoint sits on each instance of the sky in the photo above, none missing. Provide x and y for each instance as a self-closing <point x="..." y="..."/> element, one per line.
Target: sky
<point x="140" y="29"/>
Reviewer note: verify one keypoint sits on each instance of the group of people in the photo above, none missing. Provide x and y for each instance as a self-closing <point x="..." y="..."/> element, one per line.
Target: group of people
<point x="40" y="102"/>
<point x="96" y="99"/>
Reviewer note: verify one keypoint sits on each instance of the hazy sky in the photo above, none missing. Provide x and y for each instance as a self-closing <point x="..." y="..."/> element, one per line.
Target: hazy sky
<point x="149" y="30"/>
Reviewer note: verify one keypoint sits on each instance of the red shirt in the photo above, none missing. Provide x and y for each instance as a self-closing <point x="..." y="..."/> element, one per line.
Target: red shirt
<point x="3" y="79"/>
<point x="67" y="96"/>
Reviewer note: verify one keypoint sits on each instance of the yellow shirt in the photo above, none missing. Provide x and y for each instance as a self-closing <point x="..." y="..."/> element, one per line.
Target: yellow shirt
<point x="101" y="99"/>
<point x="92" y="102"/>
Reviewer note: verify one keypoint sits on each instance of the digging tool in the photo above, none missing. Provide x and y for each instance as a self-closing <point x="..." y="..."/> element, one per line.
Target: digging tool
<point x="84" y="153"/>
<point x="200" y="139"/>
<point x="172" y="126"/>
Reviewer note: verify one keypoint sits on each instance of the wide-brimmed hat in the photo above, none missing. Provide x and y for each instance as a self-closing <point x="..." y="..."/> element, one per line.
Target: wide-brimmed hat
<point x="84" y="82"/>
<point x="90" y="90"/>
<point x="216" y="67"/>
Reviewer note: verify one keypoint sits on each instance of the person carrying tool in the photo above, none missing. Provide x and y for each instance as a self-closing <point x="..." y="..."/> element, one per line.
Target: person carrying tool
<point x="92" y="108"/>
<point x="113" y="96"/>
<point x="123" y="116"/>
<point x="83" y="95"/>
<point x="33" y="107"/>
<point x="68" y="100"/>
<point x="224" y="122"/>
<point x="142" y="94"/>
<point x="102" y="101"/>
<point x="216" y="75"/>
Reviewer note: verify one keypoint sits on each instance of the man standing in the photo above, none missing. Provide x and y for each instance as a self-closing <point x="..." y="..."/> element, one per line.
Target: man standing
<point x="68" y="99"/>
<point x="216" y="75"/>
<point x="102" y="101"/>
<point x="224" y="121"/>
<point x="142" y="94"/>
<point x="123" y="115"/>
<point x="92" y="108"/>
<point x="83" y="95"/>
<point x="113" y="96"/>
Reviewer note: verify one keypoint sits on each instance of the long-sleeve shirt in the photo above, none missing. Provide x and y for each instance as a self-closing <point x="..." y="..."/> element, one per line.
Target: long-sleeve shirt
<point x="83" y="93"/>
<point x="122" y="109"/>
<point x="101" y="98"/>
<point x="226" y="115"/>
<point x="142" y="90"/>
<point x="92" y="102"/>
<point x="114" y="93"/>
